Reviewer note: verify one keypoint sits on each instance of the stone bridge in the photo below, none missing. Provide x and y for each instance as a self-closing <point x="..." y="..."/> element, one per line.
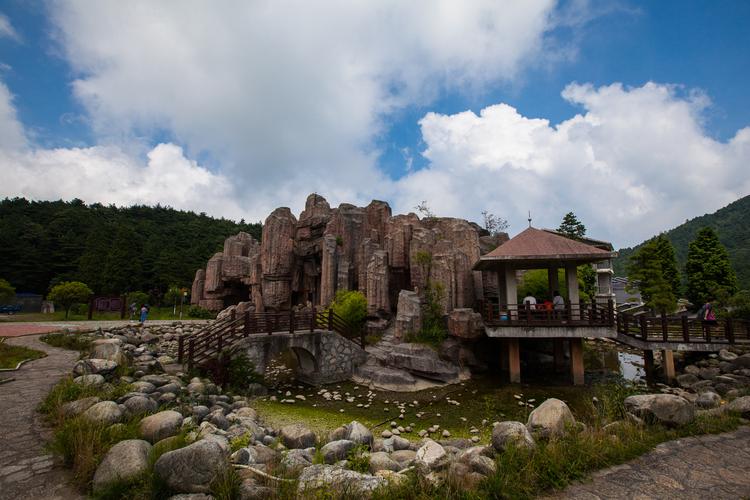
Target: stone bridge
<point x="323" y="356"/>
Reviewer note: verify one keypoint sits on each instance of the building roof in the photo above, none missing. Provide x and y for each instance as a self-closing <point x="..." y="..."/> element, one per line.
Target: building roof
<point x="540" y="248"/>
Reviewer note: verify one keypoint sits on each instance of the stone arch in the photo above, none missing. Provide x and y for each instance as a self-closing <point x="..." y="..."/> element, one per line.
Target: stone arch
<point x="306" y="362"/>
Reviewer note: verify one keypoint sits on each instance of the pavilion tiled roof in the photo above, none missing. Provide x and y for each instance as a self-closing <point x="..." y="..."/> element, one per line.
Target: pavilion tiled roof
<point x="536" y="245"/>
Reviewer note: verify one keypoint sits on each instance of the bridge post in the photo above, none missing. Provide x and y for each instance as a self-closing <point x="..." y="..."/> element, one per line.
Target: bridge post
<point x="685" y="329"/>
<point x="644" y="328"/>
<point x="729" y="330"/>
<point x="312" y="320"/>
<point x="191" y="352"/>
<point x="180" y="348"/>
<point x="667" y="361"/>
<point x="648" y="364"/>
<point x="664" y="327"/>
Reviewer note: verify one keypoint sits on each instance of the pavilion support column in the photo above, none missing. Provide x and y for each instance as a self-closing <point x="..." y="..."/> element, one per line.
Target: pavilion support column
<point x="571" y="281"/>
<point x="558" y="349"/>
<point x="576" y="361"/>
<point x="648" y="364"/>
<point x="503" y="355"/>
<point x="514" y="361"/>
<point x="667" y="362"/>
<point x="511" y="292"/>
<point x="553" y="281"/>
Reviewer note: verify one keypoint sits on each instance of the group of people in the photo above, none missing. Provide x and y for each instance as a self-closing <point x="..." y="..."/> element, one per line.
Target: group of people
<point x="143" y="311"/>
<point x="557" y="303"/>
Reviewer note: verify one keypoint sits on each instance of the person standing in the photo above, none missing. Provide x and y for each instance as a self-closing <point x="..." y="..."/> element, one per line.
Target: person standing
<point x="144" y="313"/>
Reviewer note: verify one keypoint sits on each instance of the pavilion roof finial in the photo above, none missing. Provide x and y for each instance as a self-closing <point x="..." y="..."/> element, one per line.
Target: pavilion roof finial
<point x="529" y="219"/>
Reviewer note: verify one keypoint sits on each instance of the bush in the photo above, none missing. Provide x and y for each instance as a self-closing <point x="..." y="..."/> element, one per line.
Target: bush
<point x="69" y="293"/>
<point x="72" y="341"/>
<point x="351" y="306"/>
<point x="233" y="370"/>
<point x="199" y="312"/>
<point x="358" y="459"/>
<point x="138" y="298"/>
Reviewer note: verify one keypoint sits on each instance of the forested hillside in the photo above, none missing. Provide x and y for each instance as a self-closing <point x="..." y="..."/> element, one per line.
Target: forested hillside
<point x="113" y="250"/>
<point x="732" y="224"/>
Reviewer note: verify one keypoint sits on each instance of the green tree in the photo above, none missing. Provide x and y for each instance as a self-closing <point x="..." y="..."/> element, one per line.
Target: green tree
<point x="69" y="293"/>
<point x="707" y="269"/>
<point x="647" y="273"/>
<point x="7" y="292"/>
<point x="572" y="227"/>
<point x="351" y="306"/>
<point x="172" y="296"/>
<point x="666" y="254"/>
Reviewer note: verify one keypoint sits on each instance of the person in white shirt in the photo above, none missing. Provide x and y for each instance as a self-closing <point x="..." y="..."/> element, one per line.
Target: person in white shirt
<point x="557" y="301"/>
<point x="529" y="301"/>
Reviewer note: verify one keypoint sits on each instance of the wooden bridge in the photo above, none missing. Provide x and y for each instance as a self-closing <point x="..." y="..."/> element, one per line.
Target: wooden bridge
<point x="198" y="349"/>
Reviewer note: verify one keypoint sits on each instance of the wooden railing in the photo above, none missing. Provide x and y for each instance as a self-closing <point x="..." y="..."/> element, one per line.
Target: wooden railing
<point x="683" y="329"/>
<point x="569" y="314"/>
<point x="200" y="347"/>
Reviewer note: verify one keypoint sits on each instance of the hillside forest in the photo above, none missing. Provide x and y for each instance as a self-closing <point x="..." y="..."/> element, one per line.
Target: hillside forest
<point x="113" y="250"/>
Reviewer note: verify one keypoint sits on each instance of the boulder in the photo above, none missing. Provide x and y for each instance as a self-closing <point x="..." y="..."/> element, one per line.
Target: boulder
<point x="144" y="387"/>
<point x="90" y="380"/>
<point x="422" y="361"/>
<point x="332" y="478"/>
<point x="160" y="425"/>
<point x="108" y="349"/>
<point x="94" y="367"/>
<point x="297" y="459"/>
<point x="105" y="412"/>
<point x="408" y="314"/>
<point x="465" y="324"/>
<point x="687" y="380"/>
<point x="707" y="400"/>
<point x="124" y="461"/>
<point x="336" y="450"/>
<point x="550" y="419"/>
<point x="140" y="404"/>
<point x="191" y="469"/>
<point x="246" y="412"/>
<point x="511" y="433"/>
<point x="741" y="406"/>
<point x="664" y="408"/>
<point x="353" y="431"/>
<point x="382" y="461"/>
<point x="431" y="455"/>
<point x="297" y="436"/>
<point x="725" y="355"/>
<point x="77" y="407"/>
<point x="404" y="457"/>
<point x="250" y="490"/>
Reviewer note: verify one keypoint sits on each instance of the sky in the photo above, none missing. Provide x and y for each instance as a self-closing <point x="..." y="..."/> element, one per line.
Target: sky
<point x="632" y="114"/>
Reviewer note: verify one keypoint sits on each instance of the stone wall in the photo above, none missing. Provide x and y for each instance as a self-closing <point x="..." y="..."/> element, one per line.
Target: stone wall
<point x="368" y="249"/>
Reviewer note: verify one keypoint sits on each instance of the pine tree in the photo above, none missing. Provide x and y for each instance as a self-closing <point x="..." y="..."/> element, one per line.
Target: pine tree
<point x="707" y="268"/>
<point x="572" y="227"/>
<point x="649" y="274"/>
<point x="666" y="254"/>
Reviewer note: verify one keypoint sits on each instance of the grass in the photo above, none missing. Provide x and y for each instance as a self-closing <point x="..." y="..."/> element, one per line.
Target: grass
<point x="161" y="313"/>
<point x="73" y="341"/>
<point x="11" y="355"/>
<point x="66" y="390"/>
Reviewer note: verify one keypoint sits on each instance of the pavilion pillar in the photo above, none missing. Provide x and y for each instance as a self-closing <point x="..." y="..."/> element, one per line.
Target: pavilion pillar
<point x="571" y="281"/>
<point x="553" y="281"/>
<point x="576" y="361"/>
<point x="511" y="292"/>
<point x="514" y="361"/>
<point x="558" y="350"/>
<point x="667" y="361"/>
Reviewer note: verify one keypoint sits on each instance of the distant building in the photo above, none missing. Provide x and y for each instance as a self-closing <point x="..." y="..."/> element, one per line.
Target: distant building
<point x="29" y="302"/>
<point x="619" y="287"/>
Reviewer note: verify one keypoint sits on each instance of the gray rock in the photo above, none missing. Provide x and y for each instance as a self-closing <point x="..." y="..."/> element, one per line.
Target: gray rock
<point x="422" y="361"/>
<point x="246" y="412"/>
<point x="217" y="418"/>
<point x="741" y="406"/>
<point x="404" y="457"/>
<point x="157" y="380"/>
<point x="77" y="407"/>
<point x="354" y="431"/>
<point x="296" y="459"/>
<point x="94" y="367"/>
<point x="665" y="408"/>
<point x="200" y="412"/>
<point x="144" y="387"/>
<point x="511" y="433"/>
<point x="481" y="464"/>
<point x="725" y="355"/>
<point x="160" y="425"/>
<point x="193" y="468"/>
<point x="431" y="455"/>
<point x="386" y="378"/>
<point x="708" y="400"/>
<point x="124" y="461"/>
<point x="382" y="461"/>
<point x="138" y="405"/>
<point x="260" y="454"/>
<point x="336" y="450"/>
<point x="297" y="436"/>
<point x="687" y="380"/>
<point x="191" y="496"/>
<point x="331" y="477"/>
<point x="550" y="419"/>
<point x="108" y="349"/>
<point x="105" y="412"/>
<point x="250" y="490"/>
<point x="91" y="380"/>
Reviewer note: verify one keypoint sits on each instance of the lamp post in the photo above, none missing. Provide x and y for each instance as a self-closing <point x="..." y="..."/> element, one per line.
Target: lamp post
<point x="182" y="300"/>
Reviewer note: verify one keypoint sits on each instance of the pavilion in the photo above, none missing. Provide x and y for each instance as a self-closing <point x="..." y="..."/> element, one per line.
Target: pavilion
<point x="506" y="318"/>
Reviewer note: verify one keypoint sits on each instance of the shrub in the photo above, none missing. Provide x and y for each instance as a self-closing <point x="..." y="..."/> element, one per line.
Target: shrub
<point x="233" y="370"/>
<point x="358" y="459"/>
<point x="199" y="312"/>
<point x="69" y="293"/>
<point x="138" y="298"/>
<point x="73" y="341"/>
<point x="351" y="306"/>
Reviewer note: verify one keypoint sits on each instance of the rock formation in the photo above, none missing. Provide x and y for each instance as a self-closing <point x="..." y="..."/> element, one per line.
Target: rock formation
<point x="305" y="261"/>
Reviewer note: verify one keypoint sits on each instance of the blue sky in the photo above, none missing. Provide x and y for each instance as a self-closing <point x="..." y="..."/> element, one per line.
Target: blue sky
<point x="500" y="106"/>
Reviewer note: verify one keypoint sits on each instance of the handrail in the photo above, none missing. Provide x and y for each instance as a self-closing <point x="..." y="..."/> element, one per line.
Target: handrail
<point x="567" y="314"/>
<point x="211" y="340"/>
<point x="681" y="329"/>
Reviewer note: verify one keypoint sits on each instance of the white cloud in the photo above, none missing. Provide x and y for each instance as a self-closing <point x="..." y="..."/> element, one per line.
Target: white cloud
<point x="636" y="163"/>
<point x="6" y="29"/>
<point x="12" y="136"/>
<point x="288" y="97"/>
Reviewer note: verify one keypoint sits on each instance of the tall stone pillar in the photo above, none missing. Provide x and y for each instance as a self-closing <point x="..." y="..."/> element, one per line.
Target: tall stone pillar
<point x="571" y="281"/>
<point x="328" y="270"/>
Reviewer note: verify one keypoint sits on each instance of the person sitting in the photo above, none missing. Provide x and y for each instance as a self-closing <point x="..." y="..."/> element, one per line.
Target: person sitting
<point x="529" y="302"/>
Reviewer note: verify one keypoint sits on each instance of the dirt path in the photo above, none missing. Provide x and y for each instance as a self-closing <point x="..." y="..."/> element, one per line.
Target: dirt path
<point x="27" y="470"/>
<point x="700" y="467"/>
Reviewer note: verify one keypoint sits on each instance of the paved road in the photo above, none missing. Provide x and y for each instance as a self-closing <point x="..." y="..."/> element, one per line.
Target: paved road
<point x="702" y="467"/>
<point x="27" y="470"/>
<point x="18" y="329"/>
